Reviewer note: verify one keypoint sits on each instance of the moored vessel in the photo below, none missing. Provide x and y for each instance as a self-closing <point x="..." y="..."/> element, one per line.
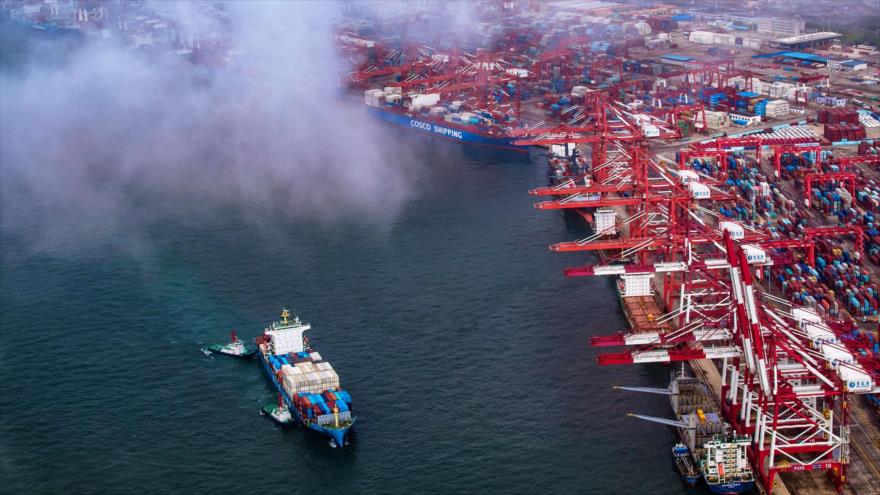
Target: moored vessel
<point x="682" y="457"/>
<point x="716" y="455"/>
<point x="448" y="121"/>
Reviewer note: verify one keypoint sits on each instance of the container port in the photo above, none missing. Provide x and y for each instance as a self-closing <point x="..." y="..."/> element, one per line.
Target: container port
<point x="725" y="162"/>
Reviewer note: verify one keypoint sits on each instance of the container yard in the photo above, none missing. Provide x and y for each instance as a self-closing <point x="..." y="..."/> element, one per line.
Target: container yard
<point x="731" y="192"/>
<point x="724" y="164"/>
<point x="758" y="240"/>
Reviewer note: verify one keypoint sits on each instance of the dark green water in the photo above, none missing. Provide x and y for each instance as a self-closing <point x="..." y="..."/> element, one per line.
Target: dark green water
<point x="464" y="348"/>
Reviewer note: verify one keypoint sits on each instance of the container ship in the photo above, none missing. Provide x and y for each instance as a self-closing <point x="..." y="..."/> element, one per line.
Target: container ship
<point x="308" y="386"/>
<point x="426" y="114"/>
<point x="721" y="458"/>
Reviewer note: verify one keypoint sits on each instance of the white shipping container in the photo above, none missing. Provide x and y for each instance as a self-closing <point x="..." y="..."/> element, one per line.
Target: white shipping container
<point x="306" y="366"/>
<point x="425" y="100"/>
<point x="637" y="285"/>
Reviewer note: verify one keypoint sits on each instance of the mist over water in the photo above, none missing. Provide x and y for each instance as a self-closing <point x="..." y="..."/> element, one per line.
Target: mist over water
<point x="112" y="138"/>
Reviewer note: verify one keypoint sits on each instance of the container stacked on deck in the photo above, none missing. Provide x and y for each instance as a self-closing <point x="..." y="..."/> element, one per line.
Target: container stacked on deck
<point x="321" y="406"/>
<point x="306" y="372"/>
<point x="374" y="97"/>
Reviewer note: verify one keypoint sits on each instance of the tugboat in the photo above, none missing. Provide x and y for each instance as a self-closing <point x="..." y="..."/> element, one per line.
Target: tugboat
<point x="682" y="456"/>
<point x="235" y="348"/>
<point x="278" y="413"/>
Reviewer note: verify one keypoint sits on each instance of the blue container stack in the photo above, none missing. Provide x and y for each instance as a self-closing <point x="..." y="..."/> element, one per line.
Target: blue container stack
<point x="761" y="107"/>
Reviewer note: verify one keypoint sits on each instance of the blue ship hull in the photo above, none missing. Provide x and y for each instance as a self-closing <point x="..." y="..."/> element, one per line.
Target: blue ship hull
<point x="337" y="434"/>
<point x="454" y="133"/>
<point x="731" y="488"/>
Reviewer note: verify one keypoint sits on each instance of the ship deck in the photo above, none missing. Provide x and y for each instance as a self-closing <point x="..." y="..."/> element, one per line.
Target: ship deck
<point x="641" y="313"/>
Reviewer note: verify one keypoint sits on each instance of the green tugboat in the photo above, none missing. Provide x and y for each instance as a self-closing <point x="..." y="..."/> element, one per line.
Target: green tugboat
<point x="235" y="348"/>
<point x="278" y="413"/>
